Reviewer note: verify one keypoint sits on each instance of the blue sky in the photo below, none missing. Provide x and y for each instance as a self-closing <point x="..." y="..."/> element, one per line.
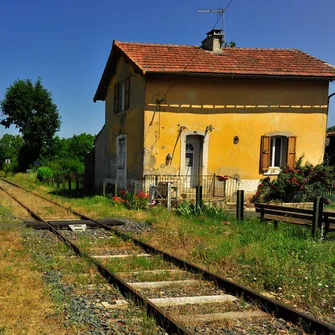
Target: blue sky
<point x="67" y="43"/>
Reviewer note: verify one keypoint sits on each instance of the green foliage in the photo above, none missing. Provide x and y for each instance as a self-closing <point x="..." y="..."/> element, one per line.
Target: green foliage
<point x="67" y="167"/>
<point x="187" y="209"/>
<point x="12" y="167"/>
<point x="298" y="184"/>
<point x="66" y="156"/>
<point x="75" y="147"/>
<point x="44" y="174"/>
<point x="331" y="129"/>
<point x="230" y="44"/>
<point x="136" y="201"/>
<point x="30" y="108"/>
<point x="10" y="146"/>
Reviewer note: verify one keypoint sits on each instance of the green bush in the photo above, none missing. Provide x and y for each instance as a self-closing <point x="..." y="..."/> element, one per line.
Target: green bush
<point x="188" y="209"/>
<point x="44" y="174"/>
<point x="297" y="184"/>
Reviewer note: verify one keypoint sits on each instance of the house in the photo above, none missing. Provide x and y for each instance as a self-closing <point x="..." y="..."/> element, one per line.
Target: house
<point x="208" y="115"/>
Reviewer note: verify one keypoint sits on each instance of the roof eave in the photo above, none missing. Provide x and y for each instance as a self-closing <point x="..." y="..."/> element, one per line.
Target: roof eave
<point x="109" y="71"/>
<point x="239" y="75"/>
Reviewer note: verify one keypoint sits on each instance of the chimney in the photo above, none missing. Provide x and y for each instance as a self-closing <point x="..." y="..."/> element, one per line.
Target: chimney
<point x="213" y="41"/>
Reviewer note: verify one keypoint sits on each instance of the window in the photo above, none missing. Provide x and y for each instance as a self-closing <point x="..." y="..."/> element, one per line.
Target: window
<point x="277" y="151"/>
<point x="121" y="95"/>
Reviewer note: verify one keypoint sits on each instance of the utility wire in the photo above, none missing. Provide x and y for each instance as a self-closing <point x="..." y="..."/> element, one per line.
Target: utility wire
<point x="170" y="88"/>
<point x="228" y="5"/>
<point x="220" y="16"/>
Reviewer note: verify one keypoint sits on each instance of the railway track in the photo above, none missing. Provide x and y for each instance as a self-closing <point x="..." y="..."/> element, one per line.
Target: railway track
<point x="183" y="298"/>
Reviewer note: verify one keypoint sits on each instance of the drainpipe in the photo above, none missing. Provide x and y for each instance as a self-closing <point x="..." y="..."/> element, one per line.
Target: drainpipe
<point x="330" y="97"/>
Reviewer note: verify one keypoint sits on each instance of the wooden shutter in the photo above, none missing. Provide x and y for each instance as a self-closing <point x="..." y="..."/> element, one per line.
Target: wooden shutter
<point x="126" y="93"/>
<point x="265" y="152"/>
<point x="116" y="98"/>
<point x="292" y="142"/>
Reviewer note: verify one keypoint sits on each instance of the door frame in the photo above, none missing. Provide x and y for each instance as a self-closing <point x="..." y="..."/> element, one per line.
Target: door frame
<point x="203" y="153"/>
<point x="124" y="179"/>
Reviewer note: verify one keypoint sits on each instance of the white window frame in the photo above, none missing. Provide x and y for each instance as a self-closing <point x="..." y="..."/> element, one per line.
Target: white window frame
<point x="274" y="150"/>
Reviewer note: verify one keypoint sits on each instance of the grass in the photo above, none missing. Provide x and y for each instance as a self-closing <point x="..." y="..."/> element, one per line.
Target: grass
<point x="26" y="307"/>
<point x="285" y="263"/>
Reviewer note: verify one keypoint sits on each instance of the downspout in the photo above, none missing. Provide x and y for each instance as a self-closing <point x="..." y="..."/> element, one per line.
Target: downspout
<point x="329" y="96"/>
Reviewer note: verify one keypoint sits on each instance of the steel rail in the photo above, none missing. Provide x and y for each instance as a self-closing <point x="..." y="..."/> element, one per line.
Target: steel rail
<point x="280" y="310"/>
<point x="169" y="324"/>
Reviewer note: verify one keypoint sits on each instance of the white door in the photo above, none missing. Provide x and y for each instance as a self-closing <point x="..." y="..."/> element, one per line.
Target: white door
<point x="121" y="159"/>
<point x="192" y="160"/>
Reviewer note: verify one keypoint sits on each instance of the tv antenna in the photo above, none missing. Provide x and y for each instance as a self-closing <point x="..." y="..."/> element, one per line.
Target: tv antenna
<point x="219" y="11"/>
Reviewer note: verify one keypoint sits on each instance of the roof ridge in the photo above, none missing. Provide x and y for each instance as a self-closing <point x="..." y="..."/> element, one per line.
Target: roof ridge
<point x="248" y="48"/>
<point x="158" y="44"/>
<point x="196" y="46"/>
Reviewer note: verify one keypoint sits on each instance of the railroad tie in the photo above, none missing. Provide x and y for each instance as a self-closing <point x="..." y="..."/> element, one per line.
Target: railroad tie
<point x="180" y="301"/>
<point x="157" y="284"/>
<point x="120" y="256"/>
<point x="196" y="318"/>
<point x="150" y="272"/>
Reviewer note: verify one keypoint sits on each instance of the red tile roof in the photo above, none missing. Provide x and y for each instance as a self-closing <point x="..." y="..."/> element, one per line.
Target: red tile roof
<point x="243" y="61"/>
<point x="182" y="59"/>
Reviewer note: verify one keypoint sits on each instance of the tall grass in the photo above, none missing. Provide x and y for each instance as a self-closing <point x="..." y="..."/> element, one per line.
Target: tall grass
<point x="287" y="263"/>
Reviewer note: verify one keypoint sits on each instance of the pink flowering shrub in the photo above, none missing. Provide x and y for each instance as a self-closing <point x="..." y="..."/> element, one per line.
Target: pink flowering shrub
<point x="300" y="183"/>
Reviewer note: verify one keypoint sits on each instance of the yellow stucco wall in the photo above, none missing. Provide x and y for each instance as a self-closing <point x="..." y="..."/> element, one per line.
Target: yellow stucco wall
<point x="247" y="108"/>
<point x="129" y="122"/>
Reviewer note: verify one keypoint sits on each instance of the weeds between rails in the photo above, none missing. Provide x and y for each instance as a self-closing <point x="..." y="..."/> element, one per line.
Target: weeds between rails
<point x="252" y="234"/>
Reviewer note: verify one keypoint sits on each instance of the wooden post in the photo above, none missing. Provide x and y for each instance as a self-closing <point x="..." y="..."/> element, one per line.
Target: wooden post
<point x="57" y="181"/>
<point x="152" y="189"/>
<point x="134" y="189"/>
<point x="262" y="214"/>
<point x="214" y="178"/>
<point x="275" y="223"/>
<point x="63" y="182"/>
<point x="104" y="188"/>
<point x="198" y="196"/>
<point x="69" y="183"/>
<point x="169" y="196"/>
<point x="240" y="205"/>
<point x="317" y="215"/>
<point x="327" y="224"/>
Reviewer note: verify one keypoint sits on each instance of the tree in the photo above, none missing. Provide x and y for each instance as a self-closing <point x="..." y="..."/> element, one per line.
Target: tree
<point x="331" y="129"/>
<point x="80" y="145"/>
<point x="230" y="44"/>
<point x="30" y="108"/>
<point x="10" y="147"/>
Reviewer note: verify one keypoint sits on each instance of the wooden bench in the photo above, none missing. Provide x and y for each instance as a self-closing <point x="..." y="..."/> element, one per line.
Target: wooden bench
<point x="300" y="216"/>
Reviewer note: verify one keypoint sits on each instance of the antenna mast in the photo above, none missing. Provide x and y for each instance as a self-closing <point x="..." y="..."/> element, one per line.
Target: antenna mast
<point x="220" y="11"/>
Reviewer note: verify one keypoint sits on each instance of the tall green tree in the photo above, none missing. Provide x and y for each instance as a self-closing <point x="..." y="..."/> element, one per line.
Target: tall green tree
<point x="30" y="108"/>
<point x="10" y="147"/>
